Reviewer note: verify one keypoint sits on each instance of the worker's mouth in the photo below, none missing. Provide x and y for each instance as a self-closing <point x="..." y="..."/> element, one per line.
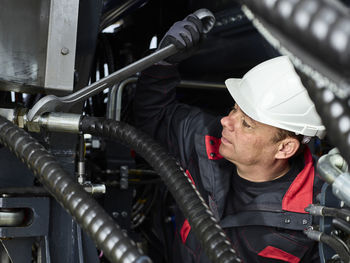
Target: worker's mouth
<point x="224" y="140"/>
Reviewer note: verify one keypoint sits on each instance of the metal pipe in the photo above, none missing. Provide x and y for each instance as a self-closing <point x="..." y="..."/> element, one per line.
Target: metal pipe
<point x="115" y="105"/>
<point x="341" y="187"/>
<point x="114" y="108"/>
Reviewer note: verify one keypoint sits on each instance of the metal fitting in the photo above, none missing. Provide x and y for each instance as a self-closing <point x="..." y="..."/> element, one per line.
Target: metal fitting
<point x="94" y="188"/>
<point x="59" y="122"/>
<point x="54" y="121"/>
<point x="331" y="165"/>
<point x="315" y="210"/>
<point x="341" y="186"/>
<point x="313" y="234"/>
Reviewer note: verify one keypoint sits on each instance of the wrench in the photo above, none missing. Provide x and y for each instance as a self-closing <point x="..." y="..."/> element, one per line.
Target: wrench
<point x="52" y="103"/>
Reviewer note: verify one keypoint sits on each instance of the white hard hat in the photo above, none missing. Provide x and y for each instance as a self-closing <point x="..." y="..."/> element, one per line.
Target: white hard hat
<point x="272" y="93"/>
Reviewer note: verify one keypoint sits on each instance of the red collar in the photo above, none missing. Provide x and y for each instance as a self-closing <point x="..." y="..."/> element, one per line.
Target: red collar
<point x="300" y="193"/>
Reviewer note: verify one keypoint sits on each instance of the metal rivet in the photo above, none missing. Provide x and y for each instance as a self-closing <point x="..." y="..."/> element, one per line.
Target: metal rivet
<point x="212" y="154"/>
<point x="287" y="220"/>
<point x="115" y="214"/>
<point x="64" y="51"/>
<point x="211" y="142"/>
<point x="124" y="214"/>
<point x="304" y="222"/>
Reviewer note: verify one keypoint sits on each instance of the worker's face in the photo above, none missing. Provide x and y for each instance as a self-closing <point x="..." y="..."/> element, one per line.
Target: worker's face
<point x="245" y="141"/>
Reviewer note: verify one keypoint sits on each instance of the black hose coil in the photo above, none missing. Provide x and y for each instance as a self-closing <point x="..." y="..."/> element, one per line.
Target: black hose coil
<point x="201" y="219"/>
<point x="335" y="114"/>
<point x="86" y="211"/>
<point x="337" y="246"/>
<point x="321" y="26"/>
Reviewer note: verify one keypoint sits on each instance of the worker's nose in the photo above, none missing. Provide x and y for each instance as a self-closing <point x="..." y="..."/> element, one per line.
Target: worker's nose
<point x="228" y="122"/>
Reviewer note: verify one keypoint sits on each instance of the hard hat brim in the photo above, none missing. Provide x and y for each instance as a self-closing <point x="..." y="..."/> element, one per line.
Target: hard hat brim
<point x="234" y="87"/>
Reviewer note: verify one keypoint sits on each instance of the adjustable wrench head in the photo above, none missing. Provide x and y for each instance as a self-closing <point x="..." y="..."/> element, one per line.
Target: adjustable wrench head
<point x="48" y="103"/>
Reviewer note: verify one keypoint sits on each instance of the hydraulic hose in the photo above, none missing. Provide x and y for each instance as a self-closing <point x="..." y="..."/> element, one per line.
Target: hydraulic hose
<point x="338" y="246"/>
<point x="86" y="211"/>
<point x="322" y="27"/>
<point x="319" y="210"/>
<point x="205" y="227"/>
<point x="335" y="115"/>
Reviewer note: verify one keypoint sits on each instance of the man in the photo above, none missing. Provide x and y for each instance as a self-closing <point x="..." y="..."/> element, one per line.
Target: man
<point x="252" y="166"/>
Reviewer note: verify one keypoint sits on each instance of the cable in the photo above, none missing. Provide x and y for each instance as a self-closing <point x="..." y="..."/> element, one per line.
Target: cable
<point x="210" y="235"/>
<point x="341" y="224"/>
<point x="85" y="210"/>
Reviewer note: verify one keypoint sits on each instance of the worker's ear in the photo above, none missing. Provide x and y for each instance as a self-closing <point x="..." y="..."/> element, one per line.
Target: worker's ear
<point x="287" y="148"/>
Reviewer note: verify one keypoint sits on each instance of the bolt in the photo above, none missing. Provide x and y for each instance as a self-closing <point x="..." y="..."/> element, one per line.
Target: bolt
<point x="304" y="222"/>
<point x="96" y="144"/>
<point x="124" y="214"/>
<point x="115" y="214"/>
<point x="64" y="51"/>
<point x="287" y="220"/>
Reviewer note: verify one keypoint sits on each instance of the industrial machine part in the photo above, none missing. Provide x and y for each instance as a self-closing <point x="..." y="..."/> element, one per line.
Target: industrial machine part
<point x="329" y="167"/>
<point x="86" y="211"/>
<point x="40" y="57"/>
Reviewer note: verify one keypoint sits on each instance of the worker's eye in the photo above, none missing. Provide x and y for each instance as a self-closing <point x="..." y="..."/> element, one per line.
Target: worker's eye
<point x="245" y="124"/>
<point x="234" y="108"/>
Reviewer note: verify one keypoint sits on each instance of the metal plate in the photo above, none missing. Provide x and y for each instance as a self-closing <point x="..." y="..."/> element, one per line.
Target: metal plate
<point x="37" y="45"/>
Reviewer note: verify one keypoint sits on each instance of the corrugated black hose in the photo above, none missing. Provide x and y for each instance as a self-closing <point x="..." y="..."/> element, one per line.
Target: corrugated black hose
<point x="335" y="115"/>
<point x="201" y="219"/>
<point x="320" y="27"/>
<point x="117" y="247"/>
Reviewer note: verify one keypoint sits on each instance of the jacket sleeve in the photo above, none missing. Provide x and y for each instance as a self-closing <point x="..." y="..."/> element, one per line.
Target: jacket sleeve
<point x="158" y="113"/>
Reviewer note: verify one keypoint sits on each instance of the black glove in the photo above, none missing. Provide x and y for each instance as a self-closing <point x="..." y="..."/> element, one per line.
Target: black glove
<point x="185" y="35"/>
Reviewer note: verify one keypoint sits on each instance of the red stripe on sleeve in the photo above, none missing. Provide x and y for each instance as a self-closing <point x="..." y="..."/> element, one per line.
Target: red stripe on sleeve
<point x="276" y="253"/>
<point x="185" y="230"/>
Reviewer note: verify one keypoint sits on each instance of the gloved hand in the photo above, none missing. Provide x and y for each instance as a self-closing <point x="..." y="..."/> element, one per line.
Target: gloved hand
<point x="185" y="35"/>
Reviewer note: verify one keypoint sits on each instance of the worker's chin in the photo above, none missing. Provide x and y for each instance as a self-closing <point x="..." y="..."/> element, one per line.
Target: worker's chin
<point x="225" y="151"/>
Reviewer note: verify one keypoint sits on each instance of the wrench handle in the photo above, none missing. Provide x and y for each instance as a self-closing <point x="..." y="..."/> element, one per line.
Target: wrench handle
<point x="120" y="75"/>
